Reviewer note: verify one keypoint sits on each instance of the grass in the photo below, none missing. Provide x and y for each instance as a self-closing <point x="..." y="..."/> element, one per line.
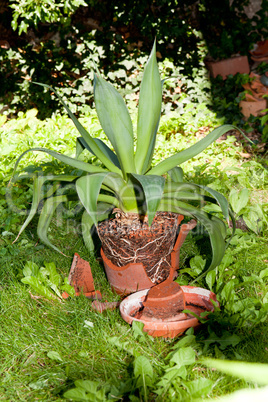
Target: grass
<point x="45" y="346"/>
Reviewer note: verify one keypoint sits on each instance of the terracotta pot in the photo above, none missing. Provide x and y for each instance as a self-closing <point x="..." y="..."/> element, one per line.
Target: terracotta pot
<point x="133" y="277"/>
<point x="253" y="108"/>
<point x="233" y="65"/>
<point x="127" y="279"/>
<point x="126" y="239"/>
<point x="196" y="300"/>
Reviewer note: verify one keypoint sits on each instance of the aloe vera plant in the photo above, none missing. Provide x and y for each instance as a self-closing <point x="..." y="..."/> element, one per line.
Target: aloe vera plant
<point x="127" y="179"/>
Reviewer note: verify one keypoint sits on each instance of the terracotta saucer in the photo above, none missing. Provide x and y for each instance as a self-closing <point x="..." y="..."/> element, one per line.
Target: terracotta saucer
<point x="196" y="300"/>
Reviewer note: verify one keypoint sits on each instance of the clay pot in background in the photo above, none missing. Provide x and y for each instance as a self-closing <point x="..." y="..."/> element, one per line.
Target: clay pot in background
<point x="233" y="65"/>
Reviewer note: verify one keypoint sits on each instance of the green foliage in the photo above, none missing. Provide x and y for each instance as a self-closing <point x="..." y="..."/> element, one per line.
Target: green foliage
<point x="253" y="215"/>
<point x="60" y="39"/>
<point x="264" y="121"/>
<point x="227" y="36"/>
<point x="143" y="373"/>
<point x="232" y="284"/>
<point x="56" y="344"/>
<point x="46" y="281"/>
<point x="28" y="12"/>
<point x="173" y="380"/>
<point x="127" y="181"/>
<point x="226" y="95"/>
<point x="86" y="390"/>
<point x="60" y="46"/>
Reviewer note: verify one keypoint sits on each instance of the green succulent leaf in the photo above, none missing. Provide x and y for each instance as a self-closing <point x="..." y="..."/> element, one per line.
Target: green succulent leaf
<point x="187" y="195"/>
<point x="89" y="140"/>
<point x="176" y="206"/>
<point x="123" y="190"/>
<point x="115" y="121"/>
<point x="88" y="189"/>
<point x="217" y="233"/>
<point x="46" y="215"/>
<point x="103" y="212"/>
<point x="87" y="225"/>
<point x="86" y="167"/>
<point x="81" y="145"/>
<point x="176" y="187"/>
<point x="148" y="113"/>
<point x="153" y="188"/>
<point x="190" y="152"/>
<point x="176" y="174"/>
<point x="253" y="372"/>
<point x="222" y="201"/>
<point x="39" y="195"/>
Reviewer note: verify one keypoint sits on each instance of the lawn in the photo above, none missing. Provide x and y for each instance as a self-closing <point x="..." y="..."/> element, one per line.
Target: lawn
<point x="53" y="349"/>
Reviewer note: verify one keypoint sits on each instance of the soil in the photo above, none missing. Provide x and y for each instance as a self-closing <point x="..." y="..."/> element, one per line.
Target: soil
<point x="128" y="238"/>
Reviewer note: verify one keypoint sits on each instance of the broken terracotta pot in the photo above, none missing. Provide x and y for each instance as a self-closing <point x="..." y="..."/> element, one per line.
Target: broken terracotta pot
<point x="255" y="101"/>
<point x="133" y="276"/>
<point x="80" y="277"/>
<point x="128" y="238"/>
<point x="254" y="107"/>
<point x="196" y="299"/>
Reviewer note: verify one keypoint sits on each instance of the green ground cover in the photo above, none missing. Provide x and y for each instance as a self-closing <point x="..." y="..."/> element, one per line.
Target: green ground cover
<point x="48" y="344"/>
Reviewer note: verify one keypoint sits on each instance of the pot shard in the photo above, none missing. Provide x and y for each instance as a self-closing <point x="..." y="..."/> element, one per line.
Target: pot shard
<point x="196" y="299"/>
<point x="80" y="277"/>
